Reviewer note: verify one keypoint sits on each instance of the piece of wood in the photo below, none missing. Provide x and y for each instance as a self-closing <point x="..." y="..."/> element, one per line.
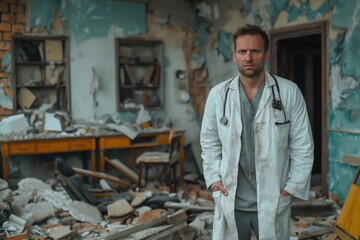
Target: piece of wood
<point x="100" y="175"/>
<point x="131" y="230"/>
<point x="25" y="98"/>
<point x="317" y="232"/>
<point x="156" y="76"/>
<point x="129" y="75"/>
<point x="160" y="232"/>
<point x="149" y="73"/>
<point x="124" y="170"/>
<point x="54" y="50"/>
<point x="353" y="160"/>
<point x="187" y="207"/>
<point x="178" y="216"/>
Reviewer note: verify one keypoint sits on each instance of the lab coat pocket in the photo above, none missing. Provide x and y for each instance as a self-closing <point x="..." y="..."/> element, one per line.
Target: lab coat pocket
<point x="282" y="135"/>
<point x="217" y="199"/>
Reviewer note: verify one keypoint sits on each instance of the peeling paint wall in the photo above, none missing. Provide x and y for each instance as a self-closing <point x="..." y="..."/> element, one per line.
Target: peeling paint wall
<point x="343" y="59"/>
<point x="197" y="37"/>
<point x="92" y="27"/>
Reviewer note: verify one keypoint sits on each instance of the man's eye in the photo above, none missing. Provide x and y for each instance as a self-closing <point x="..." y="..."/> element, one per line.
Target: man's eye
<point x="242" y="52"/>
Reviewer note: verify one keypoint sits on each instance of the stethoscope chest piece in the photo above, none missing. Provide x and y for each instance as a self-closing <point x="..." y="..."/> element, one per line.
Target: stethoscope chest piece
<point x="223" y="121"/>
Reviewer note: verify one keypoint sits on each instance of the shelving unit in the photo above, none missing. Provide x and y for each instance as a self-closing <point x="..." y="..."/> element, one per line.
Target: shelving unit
<point x="139" y="74"/>
<point x="40" y="72"/>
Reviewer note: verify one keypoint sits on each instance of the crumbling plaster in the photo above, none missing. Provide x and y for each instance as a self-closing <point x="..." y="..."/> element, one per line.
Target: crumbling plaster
<point x="343" y="57"/>
<point x="196" y="40"/>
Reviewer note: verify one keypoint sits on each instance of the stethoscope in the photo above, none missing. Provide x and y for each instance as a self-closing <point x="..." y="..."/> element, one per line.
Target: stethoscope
<point x="276" y="104"/>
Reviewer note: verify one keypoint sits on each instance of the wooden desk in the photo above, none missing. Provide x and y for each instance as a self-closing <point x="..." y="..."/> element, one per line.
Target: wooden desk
<point x="46" y="145"/>
<point x="144" y="140"/>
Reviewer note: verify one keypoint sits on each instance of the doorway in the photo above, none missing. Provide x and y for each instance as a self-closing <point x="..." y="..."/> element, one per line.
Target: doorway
<point x="299" y="53"/>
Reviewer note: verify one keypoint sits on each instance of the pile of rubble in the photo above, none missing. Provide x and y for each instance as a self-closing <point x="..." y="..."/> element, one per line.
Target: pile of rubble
<point x="39" y="210"/>
<point x="316" y="218"/>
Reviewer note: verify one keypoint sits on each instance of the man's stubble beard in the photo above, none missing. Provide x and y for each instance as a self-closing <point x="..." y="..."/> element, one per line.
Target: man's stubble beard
<point x="255" y="73"/>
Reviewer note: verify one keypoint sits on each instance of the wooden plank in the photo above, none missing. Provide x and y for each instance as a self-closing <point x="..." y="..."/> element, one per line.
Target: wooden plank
<point x="187" y="207"/>
<point x="158" y="232"/>
<point x="131" y="230"/>
<point x="124" y="170"/>
<point x="317" y="232"/>
<point x="353" y="160"/>
<point x="100" y="175"/>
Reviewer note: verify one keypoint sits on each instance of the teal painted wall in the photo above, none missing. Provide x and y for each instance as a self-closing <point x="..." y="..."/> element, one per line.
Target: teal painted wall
<point x="343" y="61"/>
<point x="92" y="26"/>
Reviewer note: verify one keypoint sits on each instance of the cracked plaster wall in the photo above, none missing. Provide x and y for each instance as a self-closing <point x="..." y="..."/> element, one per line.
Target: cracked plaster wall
<point x="197" y="39"/>
<point x="343" y="59"/>
<point x="92" y="27"/>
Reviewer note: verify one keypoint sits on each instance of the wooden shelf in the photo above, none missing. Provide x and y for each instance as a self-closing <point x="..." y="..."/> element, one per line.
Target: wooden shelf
<point x="42" y="86"/>
<point x="40" y="65"/>
<point x="139" y="73"/>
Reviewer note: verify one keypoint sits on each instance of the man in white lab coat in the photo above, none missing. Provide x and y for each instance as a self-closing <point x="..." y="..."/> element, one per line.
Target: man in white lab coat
<point x="257" y="145"/>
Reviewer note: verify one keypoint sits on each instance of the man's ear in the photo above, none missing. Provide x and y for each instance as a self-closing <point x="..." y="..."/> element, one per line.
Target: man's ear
<point x="267" y="55"/>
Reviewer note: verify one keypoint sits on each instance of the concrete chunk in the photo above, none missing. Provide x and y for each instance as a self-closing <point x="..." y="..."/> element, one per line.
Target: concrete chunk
<point x="85" y="212"/>
<point x="59" y="232"/>
<point x="119" y="208"/>
<point x="41" y="210"/>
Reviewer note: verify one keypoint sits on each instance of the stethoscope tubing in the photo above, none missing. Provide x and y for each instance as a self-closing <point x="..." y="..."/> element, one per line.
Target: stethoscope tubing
<point x="224" y="120"/>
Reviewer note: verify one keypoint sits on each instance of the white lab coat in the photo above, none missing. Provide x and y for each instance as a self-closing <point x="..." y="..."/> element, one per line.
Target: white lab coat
<point x="283" y="155"/>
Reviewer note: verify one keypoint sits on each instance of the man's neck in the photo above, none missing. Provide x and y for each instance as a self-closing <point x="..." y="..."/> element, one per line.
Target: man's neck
<point x="251" y="85"/>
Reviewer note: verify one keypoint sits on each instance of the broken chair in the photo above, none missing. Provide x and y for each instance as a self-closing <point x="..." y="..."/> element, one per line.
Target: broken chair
<point x="167" y="159"/>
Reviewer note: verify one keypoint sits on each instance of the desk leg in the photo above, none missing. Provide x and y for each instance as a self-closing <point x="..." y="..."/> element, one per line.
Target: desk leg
<point x="93" y="161"/>
<point x="182" y="160"/>
<point x="102" y="154"/>
<point x="5" y="161"/>
<point x="102" y="160"/>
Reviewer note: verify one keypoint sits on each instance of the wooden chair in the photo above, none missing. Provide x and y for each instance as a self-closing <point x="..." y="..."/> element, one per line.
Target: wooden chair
<point x="167" y="159"/>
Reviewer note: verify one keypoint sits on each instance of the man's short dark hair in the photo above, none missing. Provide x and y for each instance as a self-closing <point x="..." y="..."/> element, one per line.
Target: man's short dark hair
<point x="252" y="30"/>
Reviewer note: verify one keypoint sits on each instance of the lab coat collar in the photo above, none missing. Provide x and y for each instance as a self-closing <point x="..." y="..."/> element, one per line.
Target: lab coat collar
<point x="269" y="81"/>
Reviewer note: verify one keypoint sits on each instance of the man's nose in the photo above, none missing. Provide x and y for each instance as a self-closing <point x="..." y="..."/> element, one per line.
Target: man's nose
<point x="248" y="56"/>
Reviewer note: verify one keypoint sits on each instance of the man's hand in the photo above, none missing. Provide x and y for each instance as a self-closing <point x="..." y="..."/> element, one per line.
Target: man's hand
<point x="219" y="187"/>
<point x="284" y="193"/>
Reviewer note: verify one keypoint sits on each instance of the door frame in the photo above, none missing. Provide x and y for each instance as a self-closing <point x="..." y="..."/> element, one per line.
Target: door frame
<point x="320" y="27"/>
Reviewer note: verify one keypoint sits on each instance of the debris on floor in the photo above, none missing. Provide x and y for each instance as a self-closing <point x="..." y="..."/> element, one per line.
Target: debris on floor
<point x="39" y="210"/>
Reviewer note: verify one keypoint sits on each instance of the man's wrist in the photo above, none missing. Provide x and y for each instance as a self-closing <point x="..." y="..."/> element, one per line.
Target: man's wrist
<point x="283" y="192"/>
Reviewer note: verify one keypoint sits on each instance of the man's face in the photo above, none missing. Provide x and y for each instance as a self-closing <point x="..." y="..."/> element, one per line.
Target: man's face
<point x="250" y="55"/>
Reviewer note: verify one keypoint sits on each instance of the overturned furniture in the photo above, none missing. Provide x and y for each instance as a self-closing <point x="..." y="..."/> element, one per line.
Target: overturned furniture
<point x="67" y="177"/>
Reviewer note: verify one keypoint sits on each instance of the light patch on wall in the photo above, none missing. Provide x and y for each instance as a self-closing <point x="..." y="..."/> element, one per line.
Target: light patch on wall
<point x="5" y="100"/>
<point x="315" y="5"/>
<point x="296" y="3"/>
<point x="341" y="87"/>
<point x="235" y="20"/>
<point x="281" y="20"/>
<point x="334" y="32"/>
<point x="205" y="11"/>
